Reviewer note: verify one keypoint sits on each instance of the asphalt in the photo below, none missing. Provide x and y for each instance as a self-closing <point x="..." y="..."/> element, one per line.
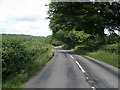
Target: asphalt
<point x="70" y="70"/>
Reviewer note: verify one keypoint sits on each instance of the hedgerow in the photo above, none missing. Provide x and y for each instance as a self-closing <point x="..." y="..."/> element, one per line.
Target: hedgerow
<point x="22" y="57"/>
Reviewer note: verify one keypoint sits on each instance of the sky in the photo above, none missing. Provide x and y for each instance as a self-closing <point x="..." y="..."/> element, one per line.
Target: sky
<point x="24" y="17"/>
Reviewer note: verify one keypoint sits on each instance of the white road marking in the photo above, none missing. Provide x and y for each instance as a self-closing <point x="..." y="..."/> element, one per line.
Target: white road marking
<point x="93" y="88"/>
<point x="90" y="81"/>
<point x="86" y="74"/>
<point x="72" y="56"/>
<point x="65" y="51"/>
<point x="87" y="78"/>
<point x="80" y="67"/>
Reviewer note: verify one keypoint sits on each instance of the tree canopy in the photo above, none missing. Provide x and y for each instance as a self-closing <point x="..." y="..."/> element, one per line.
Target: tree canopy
<point x="92" y="18"/>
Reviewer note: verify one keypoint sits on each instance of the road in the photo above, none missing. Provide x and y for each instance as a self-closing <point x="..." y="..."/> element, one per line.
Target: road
<point x="70" y="70"/>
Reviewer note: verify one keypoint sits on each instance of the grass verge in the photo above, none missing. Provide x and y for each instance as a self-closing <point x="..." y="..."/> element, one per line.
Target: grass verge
<point x="101" y="55"/>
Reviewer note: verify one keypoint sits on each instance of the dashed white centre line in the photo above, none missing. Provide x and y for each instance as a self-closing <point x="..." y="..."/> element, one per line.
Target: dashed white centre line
<point x="80" y="67"/>
<point x="64" y="51"/>
<point x="72" y="56"/>
<point x="93" y="88"/>
<point x="87" y="78"/>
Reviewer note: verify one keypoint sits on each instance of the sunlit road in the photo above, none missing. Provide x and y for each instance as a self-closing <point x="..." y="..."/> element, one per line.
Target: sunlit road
<point x="69" y="70"/>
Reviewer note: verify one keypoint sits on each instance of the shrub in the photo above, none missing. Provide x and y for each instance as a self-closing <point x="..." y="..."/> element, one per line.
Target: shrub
<point x="113" y="48"/>
<point x="112" y="39"/>
<point x="14" y="57"/>
<point x="22" y="57"/>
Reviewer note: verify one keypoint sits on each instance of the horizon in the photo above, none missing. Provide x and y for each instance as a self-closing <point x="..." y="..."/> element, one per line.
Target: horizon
<point x="22" y="34"/>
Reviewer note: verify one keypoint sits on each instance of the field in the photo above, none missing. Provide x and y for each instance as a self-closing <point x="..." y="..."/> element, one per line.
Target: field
<point x="22" y="57"/>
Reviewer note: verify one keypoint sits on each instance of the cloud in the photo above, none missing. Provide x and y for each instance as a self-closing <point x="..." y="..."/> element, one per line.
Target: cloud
<point x="27" y="18"/>
<point x="24" y="17"/>
<point x="38" y="28"/>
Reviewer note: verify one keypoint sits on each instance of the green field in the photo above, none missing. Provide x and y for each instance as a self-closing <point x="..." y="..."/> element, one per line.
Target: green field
<point x="22" y="57"/>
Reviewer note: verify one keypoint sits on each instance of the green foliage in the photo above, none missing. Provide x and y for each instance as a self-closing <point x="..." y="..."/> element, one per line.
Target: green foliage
<point x="13" y="53"/>
<point x="72" y="38"/>
<point x="81" y="49"/>
<point x="92" y="44"/>
<point x="78" y="37"/>
<point x="111" y="39"/>
<point x="63" y="36"/>
<point x="93" y="18"/>
<point x="22" y="57"/>
<point x="51" y="40"/>
<point x="113" y="48"/>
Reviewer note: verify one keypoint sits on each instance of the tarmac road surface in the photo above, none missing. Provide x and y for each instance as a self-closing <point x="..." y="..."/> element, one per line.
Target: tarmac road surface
<point x="70" y="70"/>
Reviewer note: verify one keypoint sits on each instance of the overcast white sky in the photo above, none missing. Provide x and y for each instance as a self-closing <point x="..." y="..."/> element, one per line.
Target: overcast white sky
<point x="24" y="17"/>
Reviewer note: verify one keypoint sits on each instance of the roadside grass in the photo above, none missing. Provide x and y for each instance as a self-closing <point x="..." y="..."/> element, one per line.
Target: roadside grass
<point x="107" y="57"/>
<point x="107" y="54"/>
<point x="37" y="55"/>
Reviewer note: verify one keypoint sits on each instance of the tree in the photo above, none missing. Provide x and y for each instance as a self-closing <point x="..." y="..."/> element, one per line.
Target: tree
<point x="92" y="18"/>
<point x="72" y="38"/>
<point x="51" y="40"/>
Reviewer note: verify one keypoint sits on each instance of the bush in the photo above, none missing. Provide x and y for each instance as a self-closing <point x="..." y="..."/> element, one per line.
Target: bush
<point x="113" y="48"/>
<point x="92" y="44"/>
<point x="22" y="57"/>
<point x="112" y="39"/>
<point x="14" y="57"/>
